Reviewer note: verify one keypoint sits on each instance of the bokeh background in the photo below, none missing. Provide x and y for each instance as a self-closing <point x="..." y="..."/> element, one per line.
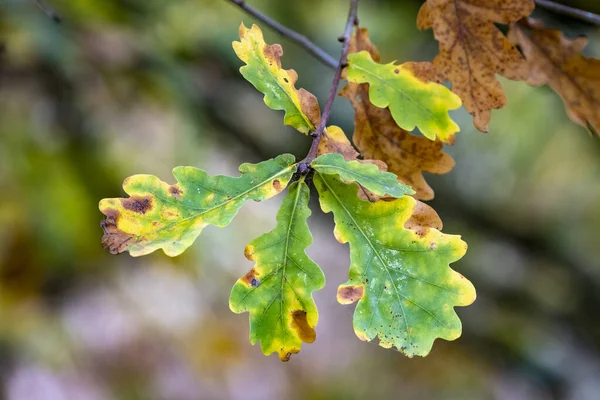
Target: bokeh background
<point x="140" y="86"/>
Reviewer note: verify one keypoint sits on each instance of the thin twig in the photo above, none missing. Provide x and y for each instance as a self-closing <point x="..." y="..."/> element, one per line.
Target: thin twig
<point x="318" y="133"/>
<point x="569" y="11"/>
<point x="302" y="40"/>
<point x="49" y="11"/>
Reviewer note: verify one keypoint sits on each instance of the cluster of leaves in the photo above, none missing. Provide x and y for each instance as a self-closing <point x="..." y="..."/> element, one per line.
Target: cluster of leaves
<point x="399" y="274"/>
<point x="472" y="50"/>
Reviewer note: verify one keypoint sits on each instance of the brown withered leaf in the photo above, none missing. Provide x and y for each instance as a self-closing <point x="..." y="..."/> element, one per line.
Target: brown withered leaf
<point x="557" y="61"/>
<point x="378" y="137"/>
<point x="473" y="50"/>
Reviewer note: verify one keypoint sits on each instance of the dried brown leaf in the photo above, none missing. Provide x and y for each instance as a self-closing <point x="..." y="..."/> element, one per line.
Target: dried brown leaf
<point x="473" y="50"/>
<point x="557" y="61"/>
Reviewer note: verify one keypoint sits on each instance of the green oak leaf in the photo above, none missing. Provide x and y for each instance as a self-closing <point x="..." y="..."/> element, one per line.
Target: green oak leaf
<point x="158" y="215"/>
<point x="263" y="70"/>
<point x="405" y="289"/>
<point x="412" y="101"/>
<point x="368" y="175"/>
<point x="277" y="292"/>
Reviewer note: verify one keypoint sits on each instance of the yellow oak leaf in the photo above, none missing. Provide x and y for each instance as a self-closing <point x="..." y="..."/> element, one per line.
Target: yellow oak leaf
<point x="378" y="137"/>
<point x="263" y="70"/>
<point x="557" y="61"/>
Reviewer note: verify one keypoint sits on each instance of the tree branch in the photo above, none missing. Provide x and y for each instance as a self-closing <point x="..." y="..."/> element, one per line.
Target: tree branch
<point x="301" y="40"/>
<point x="329" y="61"/>
<point x="318" y="133"/>
<point x="569" y="11"/>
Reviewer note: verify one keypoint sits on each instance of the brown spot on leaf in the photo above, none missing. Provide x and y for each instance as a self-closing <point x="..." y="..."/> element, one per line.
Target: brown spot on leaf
<point x="300" y="325"/>
<point x="423" y="218"/>
<point x="137" y="204"/>
<point x="277" y="185"/>
<point x="308" y="102"/>
<point x="273" y="54"/>
<point x="310" y="106"/>
<point x="176" y="192"/>
<point x="396" y="71"/>
<point x="350" y="294"/>
<point x="114" y="239"/>
<point x="251" y="278"/>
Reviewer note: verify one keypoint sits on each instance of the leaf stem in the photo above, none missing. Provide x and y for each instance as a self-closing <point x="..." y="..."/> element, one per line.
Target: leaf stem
<point x="283" y="30"/>
<point x="569" y="11"/>
<point x="303" y="166"/>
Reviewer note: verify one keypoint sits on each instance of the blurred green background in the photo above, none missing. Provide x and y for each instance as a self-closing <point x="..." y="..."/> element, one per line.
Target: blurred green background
<point x="140" y="86"/>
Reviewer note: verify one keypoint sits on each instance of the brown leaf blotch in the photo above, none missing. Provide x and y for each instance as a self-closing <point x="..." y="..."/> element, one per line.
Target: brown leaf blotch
<point x="114" y="239"/>
<point x="137" y="204"/>
<point x="251" y="278"/>
<point x="423" y="218"/>
<point x="310" y="106"/>
<point x="300" y="324"/>
<point x="273" y="53"/>
<point x="350" y="294"/>
<point x="176" y="192"/>
<point x="277" y="185"/>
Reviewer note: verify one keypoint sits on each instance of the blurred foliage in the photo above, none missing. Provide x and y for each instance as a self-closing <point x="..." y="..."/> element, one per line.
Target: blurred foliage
<point x="132" y="86"/>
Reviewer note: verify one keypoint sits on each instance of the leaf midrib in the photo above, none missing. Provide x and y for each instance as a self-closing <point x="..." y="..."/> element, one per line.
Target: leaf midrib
<point x="365" y="177"/>
<point x="299" y="110"/>
<point x="198" y="215"/>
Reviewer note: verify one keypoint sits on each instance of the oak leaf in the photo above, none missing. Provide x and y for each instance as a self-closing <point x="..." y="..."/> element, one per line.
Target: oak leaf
<point x="367" y="175"/>
<point x="413" y="100"/>
<point x="158" y="215"/>
<point x="263" y="70"/>
<point x="334" y="140"/>
<point x="277" y="292"/>
<point x="472" y="50"/>
<point x="377" y="136"/>
<point x="557" y="61"/>
<point x="401" y="278"/>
